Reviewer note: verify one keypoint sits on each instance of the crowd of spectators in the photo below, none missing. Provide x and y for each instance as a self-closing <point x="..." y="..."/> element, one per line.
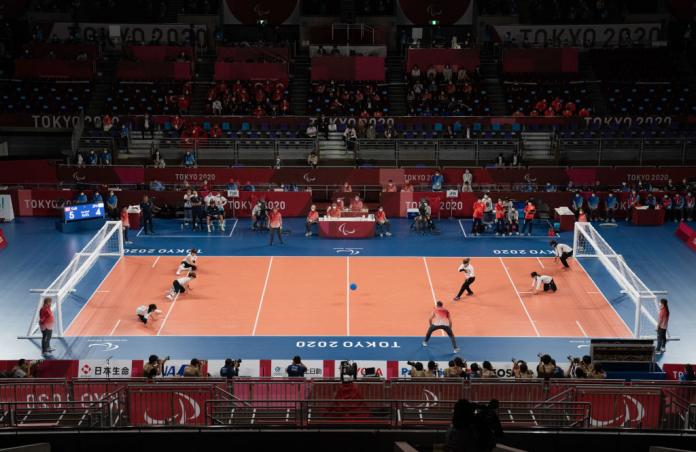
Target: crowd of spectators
<point x="361" y="99"/>
<point x="246" y="97"/>
<point x="446" y="91"/>
<point x="548" y="98"/>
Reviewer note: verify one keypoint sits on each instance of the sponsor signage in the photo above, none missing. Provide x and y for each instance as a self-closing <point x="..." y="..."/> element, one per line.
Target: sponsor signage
<point x="595" y="35"/>
<point x="315" y="368"/>
<point x="105" y="369"/>
<point x="151" y="34"/>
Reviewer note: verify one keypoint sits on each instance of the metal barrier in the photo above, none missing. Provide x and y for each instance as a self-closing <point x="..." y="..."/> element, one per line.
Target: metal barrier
<point x="601" y="151"/>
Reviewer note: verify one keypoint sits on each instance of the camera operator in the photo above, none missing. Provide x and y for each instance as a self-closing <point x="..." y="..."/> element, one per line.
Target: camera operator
<point x="521" y="370"/>
<point x="474" y="427"/>
<point x="579" y="368"/>
<point x="296" y="369"/>
<point x="231" y="368"/>
<point x="194" y="369"/>
<point x="488" y="370"/>
<point x="417" y="370"/>
<point x="424" y="221"/>
<point x="546" y="367"/>
<point x="432" y="370"/>
<point x="153" y="367"/>
<point x="456" y="369"/>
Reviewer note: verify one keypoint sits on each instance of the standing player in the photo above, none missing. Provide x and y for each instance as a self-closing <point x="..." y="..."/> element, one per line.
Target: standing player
<point x="440" y="320"/>
<point x="180" y="285"/>
<point x="545" y="281"/>
<point x="562" y="252"/>
<point x="468" y="270"/>
<point x="500" y="217"/>
<point x="479" y="207"/>
<point x="529" y="212"/>
<point x="146" y="313"/>
<point x="189" y="262"/>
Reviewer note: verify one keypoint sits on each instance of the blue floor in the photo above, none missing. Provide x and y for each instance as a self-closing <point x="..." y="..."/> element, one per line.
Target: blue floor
<point x="37" y="253"/>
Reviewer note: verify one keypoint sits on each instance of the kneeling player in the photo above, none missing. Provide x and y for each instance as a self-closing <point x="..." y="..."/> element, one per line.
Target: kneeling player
<point x="146" y="313"/>
<point x="189" y="262"/>
<point x="545" y="281"/>
<point x="181" y="285"/>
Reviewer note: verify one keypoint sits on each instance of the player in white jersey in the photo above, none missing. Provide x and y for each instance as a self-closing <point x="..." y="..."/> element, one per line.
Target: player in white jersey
<point x="561" y="251"/>
<point x="545" y="281"/>
<point x="189" y="262"/>
<point x="180" y="285"/>
<point x="216" y="209"/>
<point x="146" y="313"/>
<point x="469" y="278"/>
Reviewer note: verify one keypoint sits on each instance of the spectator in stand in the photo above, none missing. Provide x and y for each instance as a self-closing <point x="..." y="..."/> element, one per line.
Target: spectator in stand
<point x="313" y="160"/>
<point x="467" y="181"/>
<point x="415" y="72"/>
<point x="312" y="220"/>
<point x="311" y="131"/>
<point x="46" y="322"/>
<point x="217" y="107"/>
<point x="529" y="213"/>
<point x="611" y="203"/>
<point x="296" y="369"/>
<point x="147" y="126"/>
<point x="189" y="160"/>
<point x="350" y="136"/>
<point x="550" y="188"/>
<point x="437" y="181"/>
<point x="546" y="367"/>
<point x="500" y="161"/>
<point x="381" y="222"/>
<point x="593" y="206"/>
<point x="662" y="325"/>
<point x="112" y="206"/>
<point x="488" y="371"/>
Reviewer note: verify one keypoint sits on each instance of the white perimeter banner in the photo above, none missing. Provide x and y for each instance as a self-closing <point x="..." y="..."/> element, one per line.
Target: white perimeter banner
<point x="576" y="35"/>
<point x="101" y="368"/>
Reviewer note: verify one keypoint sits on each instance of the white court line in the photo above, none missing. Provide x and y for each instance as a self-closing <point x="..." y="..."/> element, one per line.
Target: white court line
<point x="156" y="260"/>
<point x="593" y="291"/>
<point x="102" y="291"/>
<point x="462" y="228"/>
<point x="263" y="294"/>
<point x="139" y="232"/>
<point x="519" y="297"/>
<point x="432" y="289"/>
<point x="541" y="263"/>
<point x="630" y="332"/>
<point x="171" y="236"/>
<point x="171" y="308"/>
<point x="581" y="328"/>
<point x="233" y="227"/>
<point x="347" y="296"/>
<point x="114" y="328"/>
<point x="90" y="298"/>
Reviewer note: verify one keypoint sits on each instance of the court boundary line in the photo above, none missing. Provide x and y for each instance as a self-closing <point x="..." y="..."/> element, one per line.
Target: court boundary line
<point x="461" y="226"/>
<point x="519" y="297"/>
<point x="604" y="297"/>
<point x="176" y="236"/>
<point x="156" y="260"/>
<point x="118" y="261"/>
<point x="577" y="322"/>
<point x="118" y="322"/>
<point x="166" y="317"/>
<point x="347" y="296"/>
<point x="263" y="295"/>
<point x="432" y="288"/>
<point x="573" y="338"/>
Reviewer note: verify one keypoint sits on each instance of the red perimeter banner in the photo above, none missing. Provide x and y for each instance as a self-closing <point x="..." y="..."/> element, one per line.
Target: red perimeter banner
<point x="623" y="408"/>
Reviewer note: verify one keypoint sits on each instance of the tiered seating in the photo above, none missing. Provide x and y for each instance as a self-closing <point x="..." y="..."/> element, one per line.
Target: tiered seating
<point x="199" y="7"/>
<point x="439" y="95"/>
<point x="662" y="98"/>
<point x="535" y="96"/>
<point x="148" y="97"/>
<point x="247" y="97"/>
<point x="363" y="99"/>
<point x="44" y="96"/>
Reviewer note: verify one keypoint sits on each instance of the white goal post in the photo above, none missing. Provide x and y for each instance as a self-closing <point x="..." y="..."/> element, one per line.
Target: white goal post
<point x="108" y="241"/>
<point x="588" y="243"/>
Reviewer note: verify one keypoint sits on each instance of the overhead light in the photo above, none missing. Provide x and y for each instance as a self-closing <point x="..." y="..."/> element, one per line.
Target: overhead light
<point x="434" y="22"/>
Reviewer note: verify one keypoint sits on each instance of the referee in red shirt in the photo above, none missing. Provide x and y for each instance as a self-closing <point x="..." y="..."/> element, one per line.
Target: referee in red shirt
<point x="46" y="322"/>
<point x="275" y="223"/>
<point x="440" y="320"/>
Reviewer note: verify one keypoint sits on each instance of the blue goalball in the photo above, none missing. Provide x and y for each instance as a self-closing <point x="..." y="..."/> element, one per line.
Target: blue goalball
<point x="353" y="286"/>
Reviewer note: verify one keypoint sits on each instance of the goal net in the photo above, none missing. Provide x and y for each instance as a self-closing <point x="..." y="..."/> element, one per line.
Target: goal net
<point x="108" y="241"/>
<point x="588" y="243"/>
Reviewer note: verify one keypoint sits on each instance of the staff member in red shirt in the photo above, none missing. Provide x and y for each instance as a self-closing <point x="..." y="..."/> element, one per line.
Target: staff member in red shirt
<point x="333" y="211"/>
<point x="529" y="212"/>
<point x="46" y="326"/>
<point x="500" y="217"/>
<point x="125" y="224"/>
<point x="383" y="225"/>
<point x="356" y="205"/>
<point x="662" y="326"/>
<point x="479" y="207"/>
<point x="440" y="320"/>
<point x="312" y="219"/>
<point x="390" y="187"/>
<point x="275" y="222"/>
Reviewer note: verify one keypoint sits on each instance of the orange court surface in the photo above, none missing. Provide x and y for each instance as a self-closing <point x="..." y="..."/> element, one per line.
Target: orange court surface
<point x="310" y="296"/>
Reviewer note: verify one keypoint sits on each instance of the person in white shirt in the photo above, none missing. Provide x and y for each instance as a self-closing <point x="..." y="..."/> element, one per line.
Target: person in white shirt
<point x="189" y="262"/>
<point x="216" y="210"/>
<point x="561" y="251"/>
<point x="468" y="179"/>
<point x="217" y="107"/>
<point x="146" y="313"/>
<point x="470" y="277"/>
<point x="188" y="208"/>
<point x="545" y="281"/>
<point x="180" y="285"/>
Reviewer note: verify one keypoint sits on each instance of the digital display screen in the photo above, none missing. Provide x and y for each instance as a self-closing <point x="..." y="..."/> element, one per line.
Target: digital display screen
<point x="83" y="212"/>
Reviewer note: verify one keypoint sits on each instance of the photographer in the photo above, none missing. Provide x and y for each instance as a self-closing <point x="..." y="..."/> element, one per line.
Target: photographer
<point x="579" y="368"/>
<point x="417" y="370"/>
<point x="296" y="369"/>
<point x="153" y="367"/>
<point x="456" y="369"/>
<point x="432" y="370"/>
<point x="521" y="370"/>
<point x="488" y="371"/>
<point x="546" y="367"/>
<point x="474" y="371"/>
<point x="598" y="372"/>
<point x="195" y="369"/>
<point x="231" y="368"/>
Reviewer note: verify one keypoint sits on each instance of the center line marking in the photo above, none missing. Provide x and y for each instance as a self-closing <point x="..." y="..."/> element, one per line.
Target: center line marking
<point x="263" y="295"/>
<point x="519" y="297"/>
<point x="581" y="328"/>
<point x="156" y="260"/>
<point x="541" y="263"/>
